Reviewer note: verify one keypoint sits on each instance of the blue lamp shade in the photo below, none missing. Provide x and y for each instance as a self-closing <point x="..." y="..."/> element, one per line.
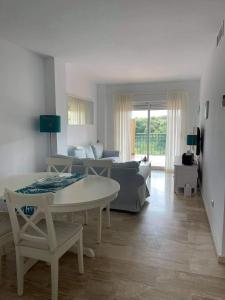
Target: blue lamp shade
<point x="191" y="140"/>
<point x="50" y="123"/>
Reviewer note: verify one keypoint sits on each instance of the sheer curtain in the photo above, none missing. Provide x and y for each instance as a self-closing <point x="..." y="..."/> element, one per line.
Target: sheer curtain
<point x="176" y="127"/>
<point x="122" y="126"/>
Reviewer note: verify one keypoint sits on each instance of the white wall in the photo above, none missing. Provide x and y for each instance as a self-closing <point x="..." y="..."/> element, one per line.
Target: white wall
<point x="79" y="85"/>
<point x="22" y="99"/>
<point x="50" y="99"/>
<point x="56" y="102"/>
<point x="154" y="90"/>
<point x="61" y="105"/>
<point x="213" y="156"/>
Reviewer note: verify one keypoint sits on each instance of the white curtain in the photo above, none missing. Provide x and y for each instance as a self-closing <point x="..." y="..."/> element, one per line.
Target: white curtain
<point x="122" y="126"/>
<point x="176" y="127"/>
<point x="77" y="111"/>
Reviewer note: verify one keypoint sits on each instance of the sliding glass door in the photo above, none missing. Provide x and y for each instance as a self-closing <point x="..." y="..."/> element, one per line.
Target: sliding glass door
<point x="158" y="128"/>
<point x="149" y="127"/>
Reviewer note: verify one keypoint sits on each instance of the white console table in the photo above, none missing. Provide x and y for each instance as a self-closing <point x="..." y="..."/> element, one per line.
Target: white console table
<point x="184" y="174"/>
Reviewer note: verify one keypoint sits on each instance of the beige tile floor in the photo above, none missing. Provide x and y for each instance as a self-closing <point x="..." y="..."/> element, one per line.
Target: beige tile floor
<point x="163" y="253"/>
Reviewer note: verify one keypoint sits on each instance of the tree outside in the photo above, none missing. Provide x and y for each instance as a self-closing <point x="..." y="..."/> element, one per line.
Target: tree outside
<point x="158" y="128"/>
<point x="158" y="124"/>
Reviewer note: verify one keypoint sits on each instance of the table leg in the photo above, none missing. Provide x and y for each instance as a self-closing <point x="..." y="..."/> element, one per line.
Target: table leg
<point x="108" y="215"/>
<point x="99" y="226"/>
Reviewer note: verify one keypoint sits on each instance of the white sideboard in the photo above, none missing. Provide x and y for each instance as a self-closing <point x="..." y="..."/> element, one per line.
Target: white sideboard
<point x="183" y="175"/>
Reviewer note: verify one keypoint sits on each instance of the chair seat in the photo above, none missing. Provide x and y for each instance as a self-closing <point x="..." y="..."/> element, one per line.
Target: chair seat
<point x="5" y="225"/>
<point x="63" y="231"/>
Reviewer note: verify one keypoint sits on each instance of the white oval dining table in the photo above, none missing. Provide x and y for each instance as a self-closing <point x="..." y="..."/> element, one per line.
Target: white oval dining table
<point x="90" y="192"/>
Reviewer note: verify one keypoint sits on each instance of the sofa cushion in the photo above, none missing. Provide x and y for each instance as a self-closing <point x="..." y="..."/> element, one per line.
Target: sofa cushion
<point x="89" y="152"/>
<point x="98" y="150"/>
<point x="111" y="153"/>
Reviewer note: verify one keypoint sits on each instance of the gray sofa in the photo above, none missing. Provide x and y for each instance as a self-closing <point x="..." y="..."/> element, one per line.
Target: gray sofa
<point x="133" y="188"/>
<point x="131" y="176"/>
<point x="94" y="151"/>
<point x="132" y="179"/>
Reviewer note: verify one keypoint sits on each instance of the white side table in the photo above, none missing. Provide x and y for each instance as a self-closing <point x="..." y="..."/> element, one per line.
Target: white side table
<point x="183" y="175"/>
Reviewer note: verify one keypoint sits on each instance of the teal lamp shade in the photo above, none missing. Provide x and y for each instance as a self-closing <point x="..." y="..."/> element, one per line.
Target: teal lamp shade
<point x="191" y="140"/>
<point x="50" y="123"/>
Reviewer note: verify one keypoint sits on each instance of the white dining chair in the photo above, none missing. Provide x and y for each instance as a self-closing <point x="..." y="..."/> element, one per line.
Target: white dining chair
<point x="41" y="238"/>
<point x="59" y="164"/>
<point x="99" y="167"/>
<point x="5" y="236"/>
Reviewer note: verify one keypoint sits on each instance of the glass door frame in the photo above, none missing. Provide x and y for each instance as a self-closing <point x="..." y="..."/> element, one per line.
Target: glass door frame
<point x="148" y="110"/>
<point x="148" y="131"/>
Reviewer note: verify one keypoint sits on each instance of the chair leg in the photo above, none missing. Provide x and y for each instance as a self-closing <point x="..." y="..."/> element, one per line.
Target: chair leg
<point x="108" y="215"/>
<point x="20" y="272"/>
<point x="80" y="254"/>
<point x="55" y="278"/>
<point x="99" y="229"/>
<point x="86" y="217"/>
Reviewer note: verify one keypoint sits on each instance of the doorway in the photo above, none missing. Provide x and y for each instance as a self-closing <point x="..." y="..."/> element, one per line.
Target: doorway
<point x="149" y="131"/>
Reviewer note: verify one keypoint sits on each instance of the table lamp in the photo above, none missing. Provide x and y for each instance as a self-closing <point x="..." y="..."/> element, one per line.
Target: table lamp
<point x="188" y="158"/>
<point x="51" y="124"/>
<point x="191" y="141"/>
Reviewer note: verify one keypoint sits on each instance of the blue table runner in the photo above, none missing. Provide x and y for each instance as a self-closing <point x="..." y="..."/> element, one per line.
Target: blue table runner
<point x="50" y="184"/>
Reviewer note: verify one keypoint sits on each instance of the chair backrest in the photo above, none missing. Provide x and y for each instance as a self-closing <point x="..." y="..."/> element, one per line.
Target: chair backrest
<point x="27" y="229"/>
<point x="101" y="165"/>
<point x="59" y="165"/>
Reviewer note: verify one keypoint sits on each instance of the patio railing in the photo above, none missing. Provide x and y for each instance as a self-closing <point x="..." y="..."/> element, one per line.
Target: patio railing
<point x="157" y="143"/>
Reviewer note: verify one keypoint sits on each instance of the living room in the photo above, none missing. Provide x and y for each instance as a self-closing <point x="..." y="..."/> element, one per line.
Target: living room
<point x="114" y="58"/>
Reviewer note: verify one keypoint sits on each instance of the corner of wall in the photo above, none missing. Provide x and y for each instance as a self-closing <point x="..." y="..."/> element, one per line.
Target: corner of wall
<point x="212" y="160"/>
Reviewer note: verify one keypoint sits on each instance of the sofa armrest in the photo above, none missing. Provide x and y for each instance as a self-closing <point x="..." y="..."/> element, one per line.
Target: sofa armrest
<point x="110" y="153"/>
<point x="127" y="176"/>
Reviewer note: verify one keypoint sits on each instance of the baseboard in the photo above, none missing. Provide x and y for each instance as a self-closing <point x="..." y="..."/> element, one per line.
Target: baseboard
<point x="221" y="259"/>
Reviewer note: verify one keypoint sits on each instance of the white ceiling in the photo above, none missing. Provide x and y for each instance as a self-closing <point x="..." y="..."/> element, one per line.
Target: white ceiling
<point x="118" y="40"/>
